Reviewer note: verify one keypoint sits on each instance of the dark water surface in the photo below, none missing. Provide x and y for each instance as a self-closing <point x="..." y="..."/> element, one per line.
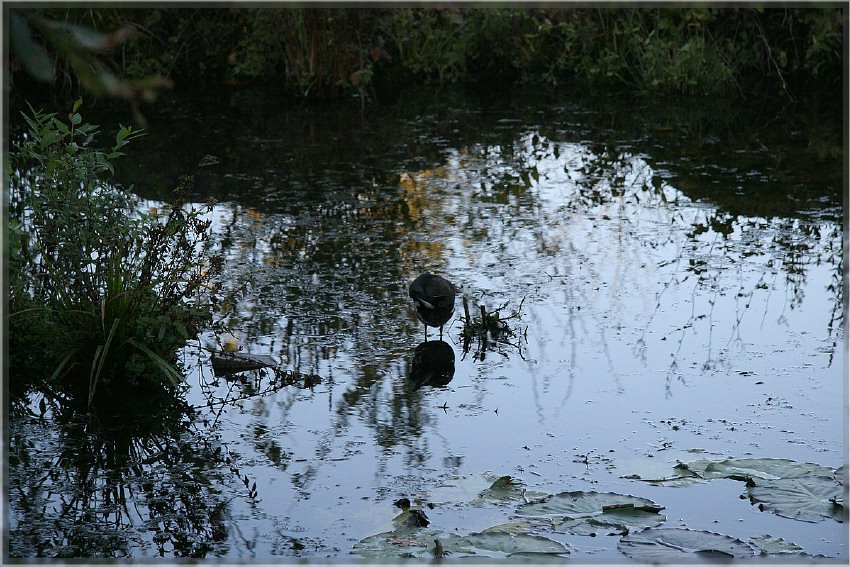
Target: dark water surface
<point x="675" y="274"/>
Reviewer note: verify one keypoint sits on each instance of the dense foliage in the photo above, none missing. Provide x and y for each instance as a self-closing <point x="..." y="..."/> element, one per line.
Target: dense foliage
<point x="99" y="292"/>
<point x="320" y="51"/>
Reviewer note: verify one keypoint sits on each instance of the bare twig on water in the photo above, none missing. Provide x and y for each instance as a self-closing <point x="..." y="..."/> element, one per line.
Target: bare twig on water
<point x="491" y="330"/>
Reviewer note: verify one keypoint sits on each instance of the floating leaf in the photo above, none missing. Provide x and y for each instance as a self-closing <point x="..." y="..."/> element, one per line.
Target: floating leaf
<point x="400" y="543"/>
<point x="666" y="545"/>
<point x="520" y="526"/>
<point x="810" y="499"/>
<point x="579" y="503"/>
<point x="768" y="469"/>
<point x="587" y="513"/>
<point x="420" y="544"/>
<point x="770" y="545"/>
<point x="658" y="472"/>
<point x="619" y="521"/>
<point x="520" y="544"/>
<point x="480" y="489"/>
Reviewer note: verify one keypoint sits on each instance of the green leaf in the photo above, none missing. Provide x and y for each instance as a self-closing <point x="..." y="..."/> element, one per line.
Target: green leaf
<point x="407" y="543"/>
<point x="101" y="354"/>
<point x="61" y="366"/>
<point x="33" y="56"/>
<point x="77" y="104"/>
<point x="518" y="527"/>
<point x="810" y="498"/>
<point x="87" y="128"/>
<point x="673" y="545"/>
<point x="587" y="513"/>
<point x="770" y="545"/>
<point x="511" y="545"/>
<point x="168" y="370"/>
<point x="753" y="468"/>
<point x="49" y="137"/>
<point x="580" y="503"/>
<point x="401" y="543"/>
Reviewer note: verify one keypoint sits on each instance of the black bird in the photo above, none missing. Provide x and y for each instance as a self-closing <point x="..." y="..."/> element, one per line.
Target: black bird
<point x="434" y="299"/>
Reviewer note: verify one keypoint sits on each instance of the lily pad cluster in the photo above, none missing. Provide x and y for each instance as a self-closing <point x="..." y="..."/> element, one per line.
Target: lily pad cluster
<point x="578" y="512"/>
<point x="800" y="491"/>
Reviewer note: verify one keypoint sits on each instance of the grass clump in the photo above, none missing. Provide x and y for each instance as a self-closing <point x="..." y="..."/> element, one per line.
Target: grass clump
<point x="101" y="295"/>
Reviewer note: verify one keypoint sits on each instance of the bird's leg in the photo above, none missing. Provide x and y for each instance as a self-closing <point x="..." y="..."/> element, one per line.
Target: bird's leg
<point x="441" y="332"/>
<point x="426" y="332"/>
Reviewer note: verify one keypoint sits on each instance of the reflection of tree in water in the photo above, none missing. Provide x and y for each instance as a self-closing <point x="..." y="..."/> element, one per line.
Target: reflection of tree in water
<point x="561" y="185"/>
<point x="80" y="486"/>
<point x="522" y="210"/>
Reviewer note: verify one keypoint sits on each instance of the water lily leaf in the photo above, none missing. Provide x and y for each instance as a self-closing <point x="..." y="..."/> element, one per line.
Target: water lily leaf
<point x="771" y="545"/>
<point x="588" y="513"/>
<point x="666" y="545"/>
<point x="657" y="472"/>
<point x="583" y="504"/>
<point x="390" y="545"/>
<point x="518" y="527"/>
<point x="407" y="543"/>
<point x="810" y="499"/>
<point x="768" y="469"/>
<point x="481" y="489"/>
<point x="521" y="544"/>
<point x="419" y="544"/>
<point x="622" y="521"/>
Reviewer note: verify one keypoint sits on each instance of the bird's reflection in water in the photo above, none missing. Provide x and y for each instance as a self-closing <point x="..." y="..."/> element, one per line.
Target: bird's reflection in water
<point x="433" y="365"/>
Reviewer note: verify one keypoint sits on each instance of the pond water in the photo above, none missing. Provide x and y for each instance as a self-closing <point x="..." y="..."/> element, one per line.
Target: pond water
<point x="670" y="275"/>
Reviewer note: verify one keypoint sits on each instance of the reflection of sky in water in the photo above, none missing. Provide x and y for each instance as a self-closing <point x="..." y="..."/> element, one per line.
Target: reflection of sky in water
<point x="650" y="334"/>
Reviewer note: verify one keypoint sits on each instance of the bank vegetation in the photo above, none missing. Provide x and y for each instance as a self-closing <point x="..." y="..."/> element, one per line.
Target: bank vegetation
<point x="132" y="53"/>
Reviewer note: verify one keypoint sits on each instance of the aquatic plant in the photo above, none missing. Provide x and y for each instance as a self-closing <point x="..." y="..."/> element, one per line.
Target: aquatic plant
<point x="100" y="292"/>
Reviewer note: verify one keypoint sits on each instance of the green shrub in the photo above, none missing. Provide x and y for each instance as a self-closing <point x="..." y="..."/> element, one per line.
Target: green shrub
<point x="310" y="50"/>
<point x="316" y="51"/>
<point x="433" y="43"/>
<point x="100" y="292"/>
